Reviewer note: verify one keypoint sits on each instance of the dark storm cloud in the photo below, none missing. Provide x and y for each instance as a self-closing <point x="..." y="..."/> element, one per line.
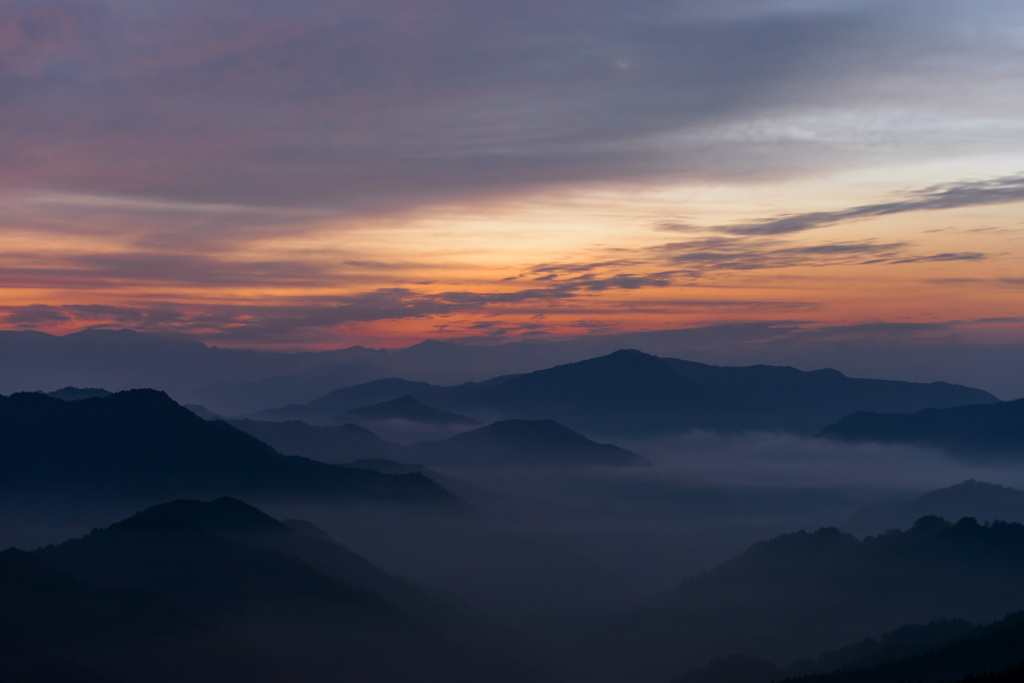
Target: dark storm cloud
<point x="359" y="105"/>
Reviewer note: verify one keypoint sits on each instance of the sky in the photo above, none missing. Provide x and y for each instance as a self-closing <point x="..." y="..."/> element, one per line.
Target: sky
<point x="321" y="173"/>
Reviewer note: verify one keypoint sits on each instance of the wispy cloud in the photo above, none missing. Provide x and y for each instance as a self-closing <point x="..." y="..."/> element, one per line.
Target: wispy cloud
<point x="364" y="106"/>
<point x="1003" y="190"/>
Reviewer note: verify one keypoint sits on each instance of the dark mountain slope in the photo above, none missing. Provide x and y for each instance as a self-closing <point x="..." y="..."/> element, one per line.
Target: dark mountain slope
<point x="801" y="593"/>
<point x="521" y="443"/>
<point x="334" y="444"/>
<point x="996" y="650"/>
<point x="140" y="445"/>
<point x="318" y="610"/>
<point x="629" y="392"/>
<point x="54" y="627"/>
<point x="984" y="502"/>
<point x="966" y="431"/>
<point x="902" y="643"/>
<point x="319" y="627"/>
<point x="232" y="519"/>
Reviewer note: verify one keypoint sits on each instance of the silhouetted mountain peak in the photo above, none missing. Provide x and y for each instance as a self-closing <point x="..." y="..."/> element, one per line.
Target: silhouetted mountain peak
<point x="621" y="361"/>
<point x="223" y="515"/>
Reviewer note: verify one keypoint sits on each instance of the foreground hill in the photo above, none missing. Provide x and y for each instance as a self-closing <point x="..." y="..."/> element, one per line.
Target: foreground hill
<point x="227" y="579"/>
<point x="801" y="593"/>
<point x="141" y="445"/>
<point x="629" y="392"/>
<point x="966" y="431"/>
<point x="521" y="443"/>
<point x="904" y="642"/>
<point x="938" y="652"/>
<point x="993" y="653"/>
<point x="55" y="627"/>
<point x="984" y="502"/>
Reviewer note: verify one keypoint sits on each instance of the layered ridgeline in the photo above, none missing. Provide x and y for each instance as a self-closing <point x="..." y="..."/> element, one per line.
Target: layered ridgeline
<point x="984" y="502"/>
<point x="520" y="443"/>
<point x="333" y="444"/>
<point x="632" y="392"/>
<point x="987" y="429"/>
<point x="506" y="443"/>
<point x="409" y="409"/>
<point x="332" y="406"/>
<point x="141" y="445"/>
<point x="802" y="593"/>
<point x="220" y="591"/>
<point x="629" y="392"/>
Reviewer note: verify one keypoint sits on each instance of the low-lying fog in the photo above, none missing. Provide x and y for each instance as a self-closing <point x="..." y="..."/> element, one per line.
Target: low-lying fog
<point x="556" y="544"/>
<point x="550" y="547"/>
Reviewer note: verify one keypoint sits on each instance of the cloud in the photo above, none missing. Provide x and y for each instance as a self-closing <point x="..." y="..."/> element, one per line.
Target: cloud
<point x="1003" y="190"/>
<point x="34" y="315"/>
<point x="369" y="106"/>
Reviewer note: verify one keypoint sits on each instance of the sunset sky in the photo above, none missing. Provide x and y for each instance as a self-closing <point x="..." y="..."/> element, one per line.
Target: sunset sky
<point x="321" y="173"/>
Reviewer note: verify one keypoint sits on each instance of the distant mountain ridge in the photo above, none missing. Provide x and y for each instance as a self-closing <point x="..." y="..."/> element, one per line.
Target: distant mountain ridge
<point x="635" y="394"/>
<point x="629" y="392"/>
<point x="240" y="382"/>
<point x="968" y="430"/>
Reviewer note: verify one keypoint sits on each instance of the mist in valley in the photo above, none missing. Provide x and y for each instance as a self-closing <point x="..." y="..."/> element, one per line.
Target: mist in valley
<point x="540" y="551"/>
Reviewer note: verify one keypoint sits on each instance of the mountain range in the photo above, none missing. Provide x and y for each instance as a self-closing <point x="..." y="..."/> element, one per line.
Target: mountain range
<point x="969" y="431"/>
<point x="332" y="405"/>
<point x="984" y="502"/>
<point x="801" y="593"/>
<point x="140" y="445"/>
<point x="636" y="394"/>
